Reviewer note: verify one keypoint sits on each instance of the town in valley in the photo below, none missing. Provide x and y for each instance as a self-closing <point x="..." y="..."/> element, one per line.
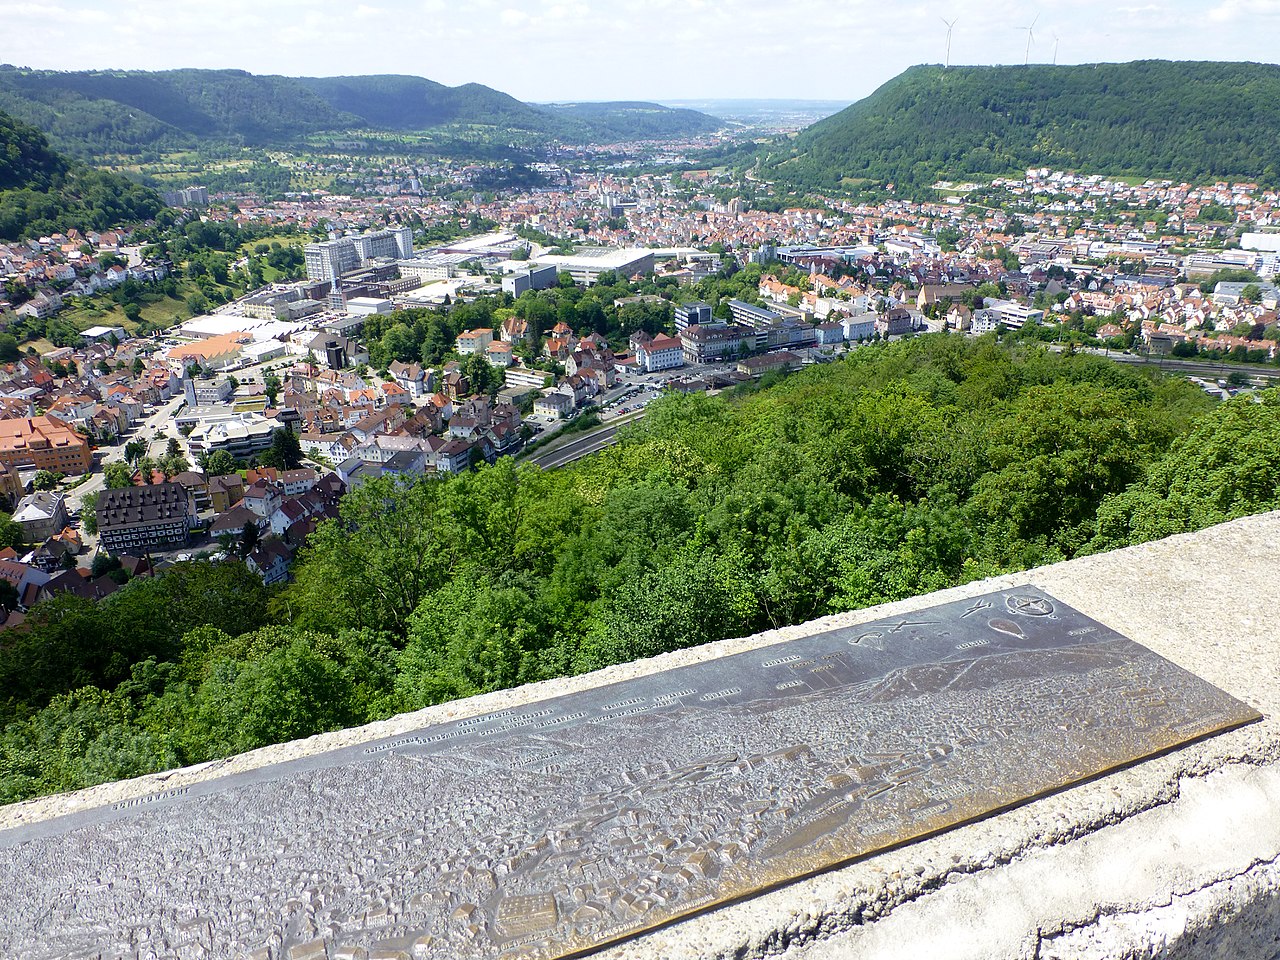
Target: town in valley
<point x="161" y="432"/>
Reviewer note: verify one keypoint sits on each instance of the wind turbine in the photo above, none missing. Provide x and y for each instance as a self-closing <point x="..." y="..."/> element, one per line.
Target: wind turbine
<point x="1030" y="36"/>
<point x="950" y="26"/>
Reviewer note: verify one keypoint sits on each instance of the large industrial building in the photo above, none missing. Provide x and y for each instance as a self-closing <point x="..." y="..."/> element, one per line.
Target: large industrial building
<point x="534" y="278"/>
<point x="586" y="264"/>
<point x="333" y="258"/>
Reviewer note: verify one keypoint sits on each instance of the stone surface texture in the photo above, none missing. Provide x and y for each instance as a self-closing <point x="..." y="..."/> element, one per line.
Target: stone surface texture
<point x="1177" y="856"/>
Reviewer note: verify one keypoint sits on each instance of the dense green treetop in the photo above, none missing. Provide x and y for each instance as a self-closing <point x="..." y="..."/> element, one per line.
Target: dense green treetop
<point x="1228" y="466"/>
<point x="25" y="157"/>
<point x="1185" y="120"/>
<point x="903" y="469"/>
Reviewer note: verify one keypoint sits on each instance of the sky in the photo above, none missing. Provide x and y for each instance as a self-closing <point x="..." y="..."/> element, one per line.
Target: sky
<point x="559" y="50"/>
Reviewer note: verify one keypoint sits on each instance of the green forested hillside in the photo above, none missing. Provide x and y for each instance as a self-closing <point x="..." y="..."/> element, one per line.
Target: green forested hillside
<point x="25" y="157"/>
<point x="42" y="192"/>
<point x="1149" y="119"/>
<point x="93" y="113"/>
<point x="906" y="468"/>
<point x="412" y="103"/>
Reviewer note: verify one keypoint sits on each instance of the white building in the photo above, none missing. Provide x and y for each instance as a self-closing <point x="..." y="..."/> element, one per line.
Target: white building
<point x="1269" y="242"/>
<point x="660" y="353"/>
<point x="984" y="321"/>
<point x="859" y="327"/>
<point x="524" y="377"/>
<point x="1012" y="314"/>
<point x="474" y="341"/>
<point x="40" y="515"/>
<point x="333" y="258"/>
<point x="367" y="306"/>
<point x="586" y="265"/>
<point x="262" y="352"/>
<point x="441" y="266"/>
<point x="499" y="354"/>
<point x="240" y="434"/>
<point x="95" y="334"/>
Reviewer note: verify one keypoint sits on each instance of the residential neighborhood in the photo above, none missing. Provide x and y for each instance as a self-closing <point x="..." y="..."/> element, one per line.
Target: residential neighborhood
<point x="168" y="412"/>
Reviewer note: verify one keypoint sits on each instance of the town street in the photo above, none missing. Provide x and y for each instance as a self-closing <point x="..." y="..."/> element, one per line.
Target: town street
<point x="112" y="453"/>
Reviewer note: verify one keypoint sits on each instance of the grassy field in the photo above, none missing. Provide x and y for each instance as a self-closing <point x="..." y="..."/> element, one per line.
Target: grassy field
<point x="184" y="167"/>
<point x="157" y="309"/>
<point x="269" y="273"/>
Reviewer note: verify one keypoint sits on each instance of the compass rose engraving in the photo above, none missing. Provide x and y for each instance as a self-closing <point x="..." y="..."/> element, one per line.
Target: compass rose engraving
<point x="1029" y="606"/>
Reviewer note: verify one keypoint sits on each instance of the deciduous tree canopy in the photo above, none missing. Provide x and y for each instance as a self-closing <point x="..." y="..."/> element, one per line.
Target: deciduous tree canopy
<point x="903" y="469"/>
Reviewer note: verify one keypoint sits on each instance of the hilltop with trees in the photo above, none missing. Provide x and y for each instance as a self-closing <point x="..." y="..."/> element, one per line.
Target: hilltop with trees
<point x="43" y="192"/>
<point x="1189" y="121"/>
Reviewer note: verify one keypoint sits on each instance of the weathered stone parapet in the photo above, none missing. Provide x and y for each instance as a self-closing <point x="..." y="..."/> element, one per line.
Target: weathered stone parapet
<point x="1175" y="856"/>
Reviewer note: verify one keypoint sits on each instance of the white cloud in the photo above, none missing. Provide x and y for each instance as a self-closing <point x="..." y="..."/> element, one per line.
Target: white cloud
<point x="1232" y="11"/>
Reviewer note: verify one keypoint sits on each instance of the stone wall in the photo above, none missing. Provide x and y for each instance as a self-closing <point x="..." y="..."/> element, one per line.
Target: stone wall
<point x="1173" y="857"/>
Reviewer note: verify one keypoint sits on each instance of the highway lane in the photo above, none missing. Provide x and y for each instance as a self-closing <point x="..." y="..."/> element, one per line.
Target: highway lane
<point x="588" y="443"/>
<point x="1199" y="368"/>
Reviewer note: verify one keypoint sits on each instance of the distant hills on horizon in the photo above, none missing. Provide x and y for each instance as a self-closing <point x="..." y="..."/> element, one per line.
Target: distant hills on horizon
<point x="98" y="112"/>
<point x="761" y="111"/>
<point x="1190" y="121"/>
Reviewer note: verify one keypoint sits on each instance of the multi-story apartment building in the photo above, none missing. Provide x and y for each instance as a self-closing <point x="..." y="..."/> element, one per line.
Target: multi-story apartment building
<point x="43" y="443"/>
<point x="788" y="333"/>
<point x="207" y="393"/>
<point x="749" y="315"/>
<point x="333" y="258"/>
<point x="395" y="243"/>
<point x="660" y="353"/>
<point x="709" y="342"/>
<point x="240" y="434"/>
<point x="688" y="314"/>
<point x="474" y="341"/>
<point x="136" y="519"/>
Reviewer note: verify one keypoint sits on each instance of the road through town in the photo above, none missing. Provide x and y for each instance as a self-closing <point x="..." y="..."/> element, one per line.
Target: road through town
<point x="588" y="443"/>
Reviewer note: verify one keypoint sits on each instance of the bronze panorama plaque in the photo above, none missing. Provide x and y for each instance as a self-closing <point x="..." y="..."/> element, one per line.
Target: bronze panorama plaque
<point x="557" y="827"/>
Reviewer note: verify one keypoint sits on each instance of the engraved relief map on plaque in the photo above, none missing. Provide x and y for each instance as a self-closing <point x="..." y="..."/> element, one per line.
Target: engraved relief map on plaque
<point x="560" y="826"/>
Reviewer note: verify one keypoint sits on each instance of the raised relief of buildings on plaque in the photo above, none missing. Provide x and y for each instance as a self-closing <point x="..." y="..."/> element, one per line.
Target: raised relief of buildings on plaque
<point x="565" y="825"/>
